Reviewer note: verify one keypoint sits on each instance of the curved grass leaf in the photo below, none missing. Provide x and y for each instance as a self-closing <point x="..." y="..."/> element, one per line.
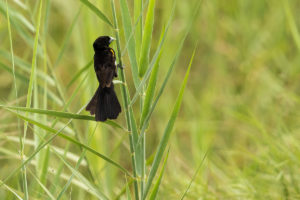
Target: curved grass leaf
<point x="126" y="19"/>
<point x="150" y="111"/>
<point x="53" y="131"/>
<point x="77" y="75"/>
<point x="128" y="190"/>
<point x="167" y="133"/>
<point x="153" y="61"/>
<point x="67" y="38"/>
<point x="33" y="64"/>
<point x="138" y="21"/>
<point x="194" y="176"/>
<point x="100" y="14"/>
<point x="146" y="121"/>
<point x="17" y="16"/>
<point x="147" y="36"/>
<point x="92" y="188"/>
<point x="26" y="67"/>
<point x="23" y="33"/>
<point x="42" y="185"/>
<point x="157" y="184"/>
<point x="138" y="17"/>
<point x="62" y="115"/>
<point x="38" y="149"/>
<point x="292" y="24"/>
<point x="81" y="158"/>
<point x="150" y="88"/>
<point x="11" y="190"/>
<point x="31" y="84"/>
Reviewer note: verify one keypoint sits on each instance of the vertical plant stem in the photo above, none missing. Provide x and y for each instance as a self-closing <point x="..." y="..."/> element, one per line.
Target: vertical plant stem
<point x="125" y="100"/>
<point x="143" y="149"/>
<point x="16" y="93"/>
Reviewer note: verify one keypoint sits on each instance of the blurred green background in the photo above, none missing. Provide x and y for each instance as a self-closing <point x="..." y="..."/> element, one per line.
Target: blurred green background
<point x="240" y="106"/>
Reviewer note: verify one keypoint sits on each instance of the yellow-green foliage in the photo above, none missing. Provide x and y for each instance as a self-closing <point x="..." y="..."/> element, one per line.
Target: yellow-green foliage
<point x="209" y="98"/>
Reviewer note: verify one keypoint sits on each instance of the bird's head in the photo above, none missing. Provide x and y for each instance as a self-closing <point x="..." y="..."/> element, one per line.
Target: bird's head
<point x="102" y="42"/>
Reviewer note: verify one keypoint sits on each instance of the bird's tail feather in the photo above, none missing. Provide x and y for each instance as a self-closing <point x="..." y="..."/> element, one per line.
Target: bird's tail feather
<point x="104" y="104"/>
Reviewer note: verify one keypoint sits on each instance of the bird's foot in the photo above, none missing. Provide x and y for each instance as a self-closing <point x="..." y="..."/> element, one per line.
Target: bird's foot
<point x="120" y="66"/>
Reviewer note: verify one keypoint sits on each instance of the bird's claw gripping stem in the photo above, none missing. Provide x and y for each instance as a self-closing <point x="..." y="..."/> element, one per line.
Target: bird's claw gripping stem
<point x="120" y="66"/>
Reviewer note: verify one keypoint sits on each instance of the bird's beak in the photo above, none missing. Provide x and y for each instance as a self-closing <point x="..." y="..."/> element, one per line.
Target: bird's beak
<point x="111" y="40"/>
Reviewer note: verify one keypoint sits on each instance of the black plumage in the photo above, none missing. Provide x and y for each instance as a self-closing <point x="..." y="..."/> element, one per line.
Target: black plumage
<point x="104" y="104"/>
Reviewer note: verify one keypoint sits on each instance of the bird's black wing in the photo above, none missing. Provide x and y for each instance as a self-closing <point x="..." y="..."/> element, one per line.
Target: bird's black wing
<point x="105" y="67"/>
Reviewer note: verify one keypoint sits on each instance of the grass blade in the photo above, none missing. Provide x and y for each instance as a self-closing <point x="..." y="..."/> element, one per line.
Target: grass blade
<point x="11" y="190"/>
<point x="100" y="14"/>
<point x="150" y="89"/>
<point x="128" y="190"/>
<point x="167" y="133"/>
<point x="77" y="75"/>
<point x="126" y="19"/>
<point x="153" y="61"/>
<point x="40" y="147"/>
<point x="194" y="176"/>
<point x="17" y="16"/>
<point x="53" y="131"/>
<point x="33" y="65"/>
<point x="150" y="111"/>
<point x="67" y="38"/>
<point x="92" y="188"/>
<point x="157" y="184"/>
<point x="63" y="115"/>
<point x="32" y="80"/>
<point x="147" y="37"/>
<point x="42" y="185"/>
<point x="26" y="67"/>
<point x="146" y="121"/>
<point x="291" y="22"/>
<point x="82" y="156"/>
<point x="11" y="51"/>
<point x="138" y="17"/>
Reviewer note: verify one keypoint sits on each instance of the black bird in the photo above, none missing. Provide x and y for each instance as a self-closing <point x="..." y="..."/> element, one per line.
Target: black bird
<point x="104" y="104"/>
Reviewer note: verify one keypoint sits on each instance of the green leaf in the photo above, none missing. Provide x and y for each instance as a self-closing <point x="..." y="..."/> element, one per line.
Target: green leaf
<point x="23" y="78"/>
<point x="67" y="38"/>
<point x="62" y="115"/>
<point x="82" y="156"/>
<point x="33" y="64"/>
<point x="128" y="190"/>
<point x="157" y="184"/>
<point x="147" y="36"/>
<point x="23" y="33"/>
<point x="42" y="185"/>
<point x="153" y="61"/>
<point x="167" y="133"/>
<point x="194" y="176"/>
<point x="126" y="19"/>
<point x="146" y="121"/>
<point x="138" y="18"/>
<point x="92" y="188"/>
<point x="53" y="131"/>
<point x="100" y="14"/>
<point x="150" y="88"/>
<point x="77" y="75"/>
<point x="11" y="190"/>
<point x="17" y="16"/>
<point x="161" y="90"/>
<point x="291" y="22"/>
<point x="26" y="67"/>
